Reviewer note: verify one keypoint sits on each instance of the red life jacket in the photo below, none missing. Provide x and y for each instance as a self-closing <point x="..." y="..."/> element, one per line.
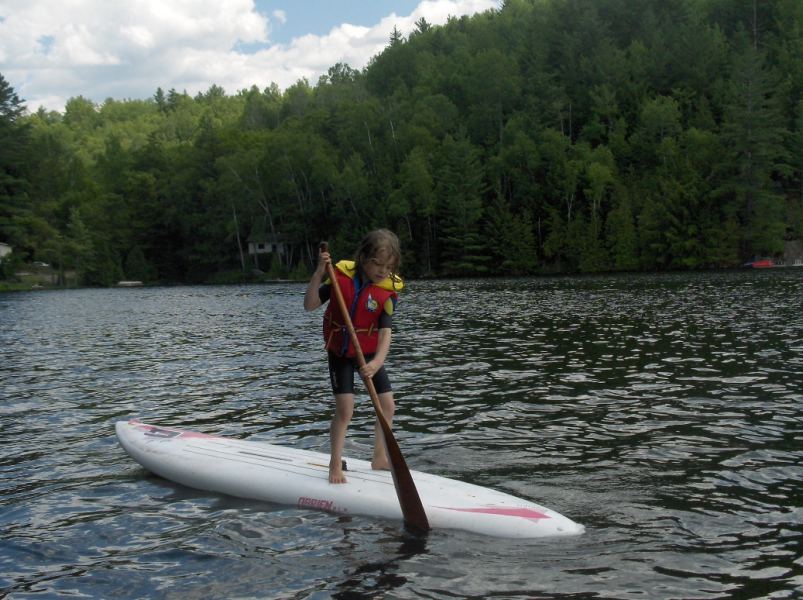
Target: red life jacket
<point x="364" y="309"/>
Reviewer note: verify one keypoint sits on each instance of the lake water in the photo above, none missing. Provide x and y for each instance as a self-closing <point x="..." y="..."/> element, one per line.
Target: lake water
<point x="664" y="412"/>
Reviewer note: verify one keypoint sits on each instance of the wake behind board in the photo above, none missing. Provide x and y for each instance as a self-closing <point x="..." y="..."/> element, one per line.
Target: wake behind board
<point x="283" y="475"/>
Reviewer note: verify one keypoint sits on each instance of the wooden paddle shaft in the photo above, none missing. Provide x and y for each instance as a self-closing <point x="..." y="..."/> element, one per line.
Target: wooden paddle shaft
<point x="415" y="517"/>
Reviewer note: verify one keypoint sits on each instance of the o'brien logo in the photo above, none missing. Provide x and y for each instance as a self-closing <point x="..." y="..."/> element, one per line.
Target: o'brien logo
<point x="327" y="505"/>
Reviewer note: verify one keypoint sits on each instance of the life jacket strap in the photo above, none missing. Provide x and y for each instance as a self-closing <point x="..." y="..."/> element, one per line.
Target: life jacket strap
<point x="341" y="328"/>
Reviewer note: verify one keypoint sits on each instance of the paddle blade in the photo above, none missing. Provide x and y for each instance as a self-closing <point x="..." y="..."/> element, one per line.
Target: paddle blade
<point x="415" y="518"/>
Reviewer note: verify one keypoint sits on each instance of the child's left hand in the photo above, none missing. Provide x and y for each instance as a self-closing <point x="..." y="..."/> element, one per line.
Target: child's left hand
<point x="369" y="370"/>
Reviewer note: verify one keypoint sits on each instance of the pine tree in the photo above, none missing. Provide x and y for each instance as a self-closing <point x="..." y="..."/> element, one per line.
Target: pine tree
<point x="460" y="191"/>
<point x="14" y="205"/>
<point x="620" y="229"/>
<point x="514" y="247"/>
<point x="753" y="131"/>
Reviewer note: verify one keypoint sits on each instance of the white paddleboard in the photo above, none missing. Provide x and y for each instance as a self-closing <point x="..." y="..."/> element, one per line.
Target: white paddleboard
<point x="267" y="472"/>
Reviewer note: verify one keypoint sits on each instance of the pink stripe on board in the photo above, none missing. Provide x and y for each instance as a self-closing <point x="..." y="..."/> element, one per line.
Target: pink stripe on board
<point x="525" y="513"/>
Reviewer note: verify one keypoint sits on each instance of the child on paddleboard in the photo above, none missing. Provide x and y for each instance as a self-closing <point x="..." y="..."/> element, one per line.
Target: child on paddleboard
<point x="369" y="286"/>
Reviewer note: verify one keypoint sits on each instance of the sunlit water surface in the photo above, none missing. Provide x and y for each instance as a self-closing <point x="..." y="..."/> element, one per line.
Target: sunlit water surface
<point x="663" y="412"/>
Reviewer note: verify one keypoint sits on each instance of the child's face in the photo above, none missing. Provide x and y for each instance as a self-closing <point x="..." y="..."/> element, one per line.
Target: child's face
<point x="379" y="267"/>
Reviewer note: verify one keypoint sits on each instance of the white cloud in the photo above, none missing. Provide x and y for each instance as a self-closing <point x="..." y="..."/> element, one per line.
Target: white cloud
<point x="51" y="50"/>
<point x="139" y="36"/>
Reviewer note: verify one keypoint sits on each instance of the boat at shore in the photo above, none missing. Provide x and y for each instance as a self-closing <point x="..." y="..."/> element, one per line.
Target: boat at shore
<point x="768" y="263"/>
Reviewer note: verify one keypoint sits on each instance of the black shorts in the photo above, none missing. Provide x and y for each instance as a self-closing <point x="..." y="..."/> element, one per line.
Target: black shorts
<point x="341" y="375"/>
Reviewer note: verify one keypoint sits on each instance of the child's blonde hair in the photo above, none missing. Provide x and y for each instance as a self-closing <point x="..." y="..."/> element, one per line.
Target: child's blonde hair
<point x="379" y="241"/>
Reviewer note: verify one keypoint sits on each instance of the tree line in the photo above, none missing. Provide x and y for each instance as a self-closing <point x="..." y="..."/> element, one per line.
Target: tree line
<point x="544" y="136"/>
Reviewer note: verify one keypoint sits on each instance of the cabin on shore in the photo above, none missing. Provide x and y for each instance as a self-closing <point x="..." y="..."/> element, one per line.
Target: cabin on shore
<point x="793" y="253"/>
<point x="5" y="250"/>
<point x="262" y="243"/>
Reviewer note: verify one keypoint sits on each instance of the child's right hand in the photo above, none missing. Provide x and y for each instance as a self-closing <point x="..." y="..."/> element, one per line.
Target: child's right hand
<point x="323" y="259"/>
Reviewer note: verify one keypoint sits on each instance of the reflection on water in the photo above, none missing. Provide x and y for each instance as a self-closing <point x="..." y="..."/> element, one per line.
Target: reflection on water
<point x="663" y="412"/>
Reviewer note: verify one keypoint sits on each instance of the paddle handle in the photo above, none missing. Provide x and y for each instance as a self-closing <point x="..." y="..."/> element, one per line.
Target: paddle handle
<point x="412" y="509"/>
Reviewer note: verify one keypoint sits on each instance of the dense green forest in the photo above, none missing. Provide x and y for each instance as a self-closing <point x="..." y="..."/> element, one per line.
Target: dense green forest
<point x="545" y="136"/>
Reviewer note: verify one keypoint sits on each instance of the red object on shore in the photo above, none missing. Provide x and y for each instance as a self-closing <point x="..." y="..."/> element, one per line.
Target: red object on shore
<point x="762" y="264"/>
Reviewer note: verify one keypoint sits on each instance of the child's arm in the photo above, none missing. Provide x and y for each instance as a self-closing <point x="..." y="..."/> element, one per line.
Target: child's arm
<point x="382" y="349"/>
<point x="311" y="298"/>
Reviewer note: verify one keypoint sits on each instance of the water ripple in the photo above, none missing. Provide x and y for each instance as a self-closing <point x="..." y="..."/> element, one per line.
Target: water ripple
<point x="663" y="412"/>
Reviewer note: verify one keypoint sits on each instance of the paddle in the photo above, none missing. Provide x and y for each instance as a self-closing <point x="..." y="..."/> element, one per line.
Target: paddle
<point x="415" y="518"/>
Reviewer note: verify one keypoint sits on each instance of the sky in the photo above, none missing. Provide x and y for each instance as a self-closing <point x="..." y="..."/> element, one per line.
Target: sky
<point x="54" y="50"/>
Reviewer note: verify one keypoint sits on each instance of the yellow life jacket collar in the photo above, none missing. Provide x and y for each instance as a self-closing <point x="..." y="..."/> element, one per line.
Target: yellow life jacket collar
<point x="393" y="283"/>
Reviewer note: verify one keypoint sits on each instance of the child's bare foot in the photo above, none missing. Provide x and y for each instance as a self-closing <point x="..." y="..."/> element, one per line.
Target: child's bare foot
<point x="336" y="474"/>
<point x="380" y="464"/>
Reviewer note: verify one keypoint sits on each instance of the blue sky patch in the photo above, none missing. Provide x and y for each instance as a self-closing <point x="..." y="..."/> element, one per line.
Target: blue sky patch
<point x="46" y="43"/>
<point x="319" y="16"/>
